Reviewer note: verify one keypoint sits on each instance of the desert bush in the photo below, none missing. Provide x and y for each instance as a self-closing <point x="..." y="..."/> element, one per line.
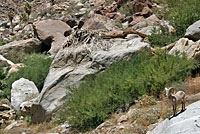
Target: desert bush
<point x="181" y="14"/>
<point x="146" y="100"/>
<point x="2" y="81"/>
<point x="162" y="37"/>
<point x="36" y="69"/>
<point x="123" y="82"/>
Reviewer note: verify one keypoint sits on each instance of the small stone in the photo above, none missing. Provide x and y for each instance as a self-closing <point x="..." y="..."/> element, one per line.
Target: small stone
<point x="13" y="124"/>
<point x="4" y="107"/>
<point x="123" y="118"/>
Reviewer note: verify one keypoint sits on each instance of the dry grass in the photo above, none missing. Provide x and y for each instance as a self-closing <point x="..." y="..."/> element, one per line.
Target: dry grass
<point x="193" y="85"/>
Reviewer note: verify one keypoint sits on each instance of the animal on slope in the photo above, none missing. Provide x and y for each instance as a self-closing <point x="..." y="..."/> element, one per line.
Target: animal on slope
<point x="177" y="98"/>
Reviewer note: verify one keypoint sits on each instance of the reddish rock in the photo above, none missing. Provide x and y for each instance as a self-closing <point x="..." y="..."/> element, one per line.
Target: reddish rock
<point x="147" y="2"/>
<point x="93" y="24"/>
<point x="109" y="9"/>
<point x="138" y="7"/>
<point x="150" y="21"/>
<point x="146" y="12"/>
<point x="96" y="21"/>
<point x="115" y="15"/>
<point x="121" y="2"/>
<point x="52" y="30"/>
<point x="97" y="3"/>
<point x="137" y="19"/>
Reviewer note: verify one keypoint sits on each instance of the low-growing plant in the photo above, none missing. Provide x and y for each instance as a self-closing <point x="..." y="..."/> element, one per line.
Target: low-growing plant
<point x="3" y="74"/>
<point x="36" y="69"/>
<point x="181" y="14"/>
<point x="146" y="100"/>
<point x="3" y="42"/>
<point x="123" y="82"/>
<point x="162" y="37"/>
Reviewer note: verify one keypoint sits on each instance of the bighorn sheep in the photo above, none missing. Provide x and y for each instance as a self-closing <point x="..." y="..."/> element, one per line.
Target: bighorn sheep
<point x="176" y="99"/>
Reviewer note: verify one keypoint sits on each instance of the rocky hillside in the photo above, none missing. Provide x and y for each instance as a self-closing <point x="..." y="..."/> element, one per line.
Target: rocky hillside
<point x="98" y="66"/>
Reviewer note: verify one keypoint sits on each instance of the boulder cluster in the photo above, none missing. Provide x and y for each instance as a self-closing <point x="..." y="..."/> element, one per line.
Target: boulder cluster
<point x="82" y="38"/>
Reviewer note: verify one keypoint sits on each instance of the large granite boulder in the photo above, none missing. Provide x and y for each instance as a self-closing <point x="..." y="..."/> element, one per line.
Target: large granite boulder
<point x="187" y="122"/>
<point x="193" y="31"/>
<point x="22" y="90"/>
<point x="189" y="47"/>
<point x="83" y="53"/>
<point x="51" y="32"/>
<point x="14" y="49"/>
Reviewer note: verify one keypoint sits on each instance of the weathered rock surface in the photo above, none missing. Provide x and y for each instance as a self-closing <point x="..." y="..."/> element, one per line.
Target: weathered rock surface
<point x="189" y="47"/>
<point x="83" y="53"/>
<point x="193" y="31"/>
<point x="51" y="31"/>
<point x="16" y="48"/>
<point x="96" y="21"/>
<point x="187" y="122"/>
<point x="4" y="107"/>
<point x="22" y="90"/>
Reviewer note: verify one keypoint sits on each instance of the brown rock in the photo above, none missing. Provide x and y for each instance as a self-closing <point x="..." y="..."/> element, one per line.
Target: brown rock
<point x="52" y="30"/>
<point x="137" y="19"/>
<point x="93" y="24"/>
<point x="150" y="21"/>
<point x="96" y="21"/>
<point x="121" y="2"/>
<point x="138" y="7"/>
<point x="97" y="3"/>
<point x="14" y="49"/>
<point x="122" y="118"/>
<point x="115" y="15"/>
<point x="109" y="9"/>
<point x="146" y="12"/>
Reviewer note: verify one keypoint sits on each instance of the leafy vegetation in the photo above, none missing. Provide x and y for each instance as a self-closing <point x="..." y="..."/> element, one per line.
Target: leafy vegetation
<point x="162" y="37"/>
<point x="122" y="83"/>
<point x="181" y="14"/>
<point x="36" y="69"/>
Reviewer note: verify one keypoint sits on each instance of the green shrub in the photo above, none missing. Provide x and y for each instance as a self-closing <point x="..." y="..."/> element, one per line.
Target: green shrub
<point x="2" y="82"/>
<point x="181" y="14"/>
<point x="101" y="94"/>
<point x="36" y="69"/>
<point x="162" y="37"/>
<point x="146" y="100"/>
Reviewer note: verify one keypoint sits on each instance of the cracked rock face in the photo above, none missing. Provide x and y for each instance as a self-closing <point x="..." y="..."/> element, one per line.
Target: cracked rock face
<point x="193" y="31"/>
<point x="83" y="53"/>
<point x="15" y="48"/>
<point x="189" y="47"/>
<point x="187" y="122"/>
